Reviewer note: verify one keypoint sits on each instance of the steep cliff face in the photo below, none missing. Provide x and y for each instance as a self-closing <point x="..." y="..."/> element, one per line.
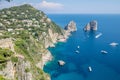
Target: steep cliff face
<point x="8" y="71"/>
<point x="27" y="33"/>
<point x="91" y="26"/>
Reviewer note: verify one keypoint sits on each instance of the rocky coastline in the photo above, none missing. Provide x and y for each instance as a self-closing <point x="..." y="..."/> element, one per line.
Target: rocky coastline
<point x="46" y="56"/>
<point x="71" y="27"/>
<point x="28" y="40"/>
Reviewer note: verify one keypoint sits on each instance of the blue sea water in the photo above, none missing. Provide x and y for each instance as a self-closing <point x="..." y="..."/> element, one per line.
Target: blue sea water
<point x="104" y="66"/>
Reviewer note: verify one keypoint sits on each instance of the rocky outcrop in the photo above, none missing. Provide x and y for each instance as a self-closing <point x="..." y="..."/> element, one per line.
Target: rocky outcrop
<point x="91" y="26"/>
<point x="71" y="27"/>
<point x="61" y="62"/>
<point x="50" y="39"/>
<point x="23" y="70"/>
<point x="12" y="69"/>
<point x="29" y="41"/>
<point x="45" y="58"/>
<point x="7" y="43"/>
<point x="8" y="71"/>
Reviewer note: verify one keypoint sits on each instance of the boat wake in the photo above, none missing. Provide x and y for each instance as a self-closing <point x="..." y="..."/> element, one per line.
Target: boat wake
<point x="97" y="36"/>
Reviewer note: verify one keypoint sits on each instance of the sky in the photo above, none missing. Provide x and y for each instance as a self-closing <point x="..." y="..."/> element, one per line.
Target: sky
<point x="70" y="6"/>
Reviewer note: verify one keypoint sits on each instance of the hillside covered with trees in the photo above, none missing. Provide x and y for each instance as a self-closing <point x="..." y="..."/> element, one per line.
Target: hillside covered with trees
<point x="25" y="35"/>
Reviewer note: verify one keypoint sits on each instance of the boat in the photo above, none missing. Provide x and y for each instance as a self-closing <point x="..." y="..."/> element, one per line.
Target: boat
<point x="114" y="44"/>
<point x="90" y="68"/>
<point x="97" y="36"/>
<point x="78" y="46"/>
<point x="103" y="51"/>
<point x="77" y="51"/>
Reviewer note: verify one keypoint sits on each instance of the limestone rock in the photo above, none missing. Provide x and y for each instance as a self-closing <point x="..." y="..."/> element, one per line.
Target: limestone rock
<point x="8" y="71"/>
<point x="71" y="27"/>
<point x="21" y="70"/>
<point x="45" y="58"/>
<point x="61" y="62"/>
<point x="7" y="43"/>
<point x="91" y="26"/>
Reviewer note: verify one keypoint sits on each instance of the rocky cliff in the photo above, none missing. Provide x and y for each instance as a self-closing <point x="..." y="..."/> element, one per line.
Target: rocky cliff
<point x="91" y="26"/>
<point x="25" y="35"/>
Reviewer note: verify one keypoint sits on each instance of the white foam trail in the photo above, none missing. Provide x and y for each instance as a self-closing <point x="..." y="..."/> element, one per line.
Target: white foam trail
<point x="97" y="36"/>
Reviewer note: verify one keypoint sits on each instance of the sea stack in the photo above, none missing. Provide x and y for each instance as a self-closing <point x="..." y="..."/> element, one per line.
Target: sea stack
<point x="71" y="27"/>
<point x="91" y="26"/>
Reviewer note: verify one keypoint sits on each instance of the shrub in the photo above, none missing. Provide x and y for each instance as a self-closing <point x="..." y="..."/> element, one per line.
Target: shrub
<point x="2" y="66"/>
<point x="14" y="59"/>
<point x="27" y="70"/>
<point x="1" y="77"/>
<point x="5" y="54"/>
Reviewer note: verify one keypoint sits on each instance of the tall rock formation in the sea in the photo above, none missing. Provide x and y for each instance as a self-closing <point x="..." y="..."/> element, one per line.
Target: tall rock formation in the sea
<point x="91" y="26"/>
<point x="71" y="27"/>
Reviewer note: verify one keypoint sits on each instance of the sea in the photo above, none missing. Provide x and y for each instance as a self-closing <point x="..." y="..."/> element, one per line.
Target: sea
<point x="104" y="66"/>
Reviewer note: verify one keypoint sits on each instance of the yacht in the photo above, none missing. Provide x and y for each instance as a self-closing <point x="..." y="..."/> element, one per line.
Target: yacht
<point x="114" y="44"/>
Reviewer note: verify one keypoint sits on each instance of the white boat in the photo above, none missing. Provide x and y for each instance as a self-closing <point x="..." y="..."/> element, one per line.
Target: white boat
<point x="97" y="36"/>
<point x="90" y="68"/>
<point x="78" y="46"/>
<point x="103" y="51"/>
<point x="77" y="51"/>
<point x="114" y="44"/>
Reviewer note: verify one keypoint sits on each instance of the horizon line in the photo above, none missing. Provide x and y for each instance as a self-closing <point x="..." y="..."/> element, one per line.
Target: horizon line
<point x="83" y="13"/>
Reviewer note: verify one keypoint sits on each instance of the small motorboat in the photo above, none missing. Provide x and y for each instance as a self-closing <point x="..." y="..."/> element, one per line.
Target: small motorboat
<point x="114" y="44"/>
<point x="77" y="51"/>
<point x="90" y="68"/>
<point x="78" y="46"/>
<point x="104" y="52"/>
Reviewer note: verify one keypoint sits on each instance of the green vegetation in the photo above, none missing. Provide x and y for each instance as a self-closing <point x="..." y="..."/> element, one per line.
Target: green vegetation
<point x="14" y="59"/>
<point x="2" y="78"/>
<point x="27" y="70"/>
<point x="21" y="47"/>
<point x="5" y="55"/>
<point x="2" y="66"/>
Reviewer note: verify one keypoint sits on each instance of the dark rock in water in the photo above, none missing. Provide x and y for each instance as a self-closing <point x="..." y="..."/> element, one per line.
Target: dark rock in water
<point x="91" y="26"/>
<point x="71" y="27"/>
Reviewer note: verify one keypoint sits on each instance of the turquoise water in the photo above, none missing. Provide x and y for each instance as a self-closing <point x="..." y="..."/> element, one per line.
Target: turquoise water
<point x="104" y="66"/>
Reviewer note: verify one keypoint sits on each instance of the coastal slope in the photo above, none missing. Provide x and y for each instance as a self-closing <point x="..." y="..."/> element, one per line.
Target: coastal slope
<point x="25" y="35"/>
